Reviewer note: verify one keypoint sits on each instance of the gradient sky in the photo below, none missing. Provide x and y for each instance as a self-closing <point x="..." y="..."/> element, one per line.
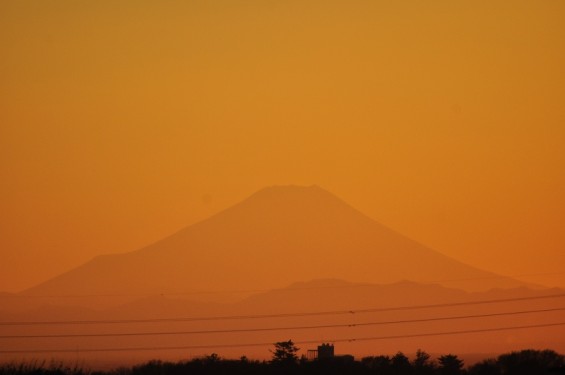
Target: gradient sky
<point x="124" y="121"/>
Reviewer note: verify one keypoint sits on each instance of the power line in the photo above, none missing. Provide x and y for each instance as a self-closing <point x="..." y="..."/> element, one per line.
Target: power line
<point x="246" y="291"/>
<point x="281" y="315"/>
<point x="293" y="328"/>
<point x="218" y="346"/>
<point x="498" y="329"/>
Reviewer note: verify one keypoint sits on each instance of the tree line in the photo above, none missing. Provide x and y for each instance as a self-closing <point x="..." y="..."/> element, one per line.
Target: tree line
<point x="286" y="361"/>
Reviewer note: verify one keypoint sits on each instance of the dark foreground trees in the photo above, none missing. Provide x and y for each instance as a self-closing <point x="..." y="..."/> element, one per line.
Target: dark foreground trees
<point x="523" y="362"/>
<point x="526" y="362"/>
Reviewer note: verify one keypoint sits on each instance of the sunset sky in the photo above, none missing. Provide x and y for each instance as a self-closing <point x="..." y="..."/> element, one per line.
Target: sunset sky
<point x="124" y="121"/>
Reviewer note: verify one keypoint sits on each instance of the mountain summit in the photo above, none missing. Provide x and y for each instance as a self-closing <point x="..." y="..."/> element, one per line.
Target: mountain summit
<point x="277" y="236"/>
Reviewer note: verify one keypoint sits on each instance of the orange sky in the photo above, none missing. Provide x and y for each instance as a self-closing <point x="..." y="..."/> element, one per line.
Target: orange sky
<point x="121" y="122"/>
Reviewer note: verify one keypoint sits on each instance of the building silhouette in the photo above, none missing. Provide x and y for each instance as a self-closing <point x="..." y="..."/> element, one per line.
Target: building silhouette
<point x="326" y="352"/>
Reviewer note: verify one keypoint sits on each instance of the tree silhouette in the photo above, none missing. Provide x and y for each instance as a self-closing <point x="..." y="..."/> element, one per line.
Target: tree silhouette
<point x="400" y="364"/>
<point x="485" y="367"/>
<point x="285" y="352"/>
<point x="422" y="364"/>
<point x="527" y="362"/>
<point x="450" y="365"/>
<point x="380" y="364"/>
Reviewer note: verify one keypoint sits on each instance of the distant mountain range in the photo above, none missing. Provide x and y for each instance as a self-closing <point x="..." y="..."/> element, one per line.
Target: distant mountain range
<point x="277" y="236"/>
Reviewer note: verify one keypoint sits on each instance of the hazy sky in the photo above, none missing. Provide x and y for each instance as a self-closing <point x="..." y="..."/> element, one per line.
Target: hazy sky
<point x="124" y="121"/>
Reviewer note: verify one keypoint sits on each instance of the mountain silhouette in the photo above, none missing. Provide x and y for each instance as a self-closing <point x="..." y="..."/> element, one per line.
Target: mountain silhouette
<point x="277" y="236"/>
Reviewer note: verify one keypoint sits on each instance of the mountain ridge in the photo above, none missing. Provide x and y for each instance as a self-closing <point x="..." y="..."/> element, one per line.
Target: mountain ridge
<point x="276" y="236"/>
